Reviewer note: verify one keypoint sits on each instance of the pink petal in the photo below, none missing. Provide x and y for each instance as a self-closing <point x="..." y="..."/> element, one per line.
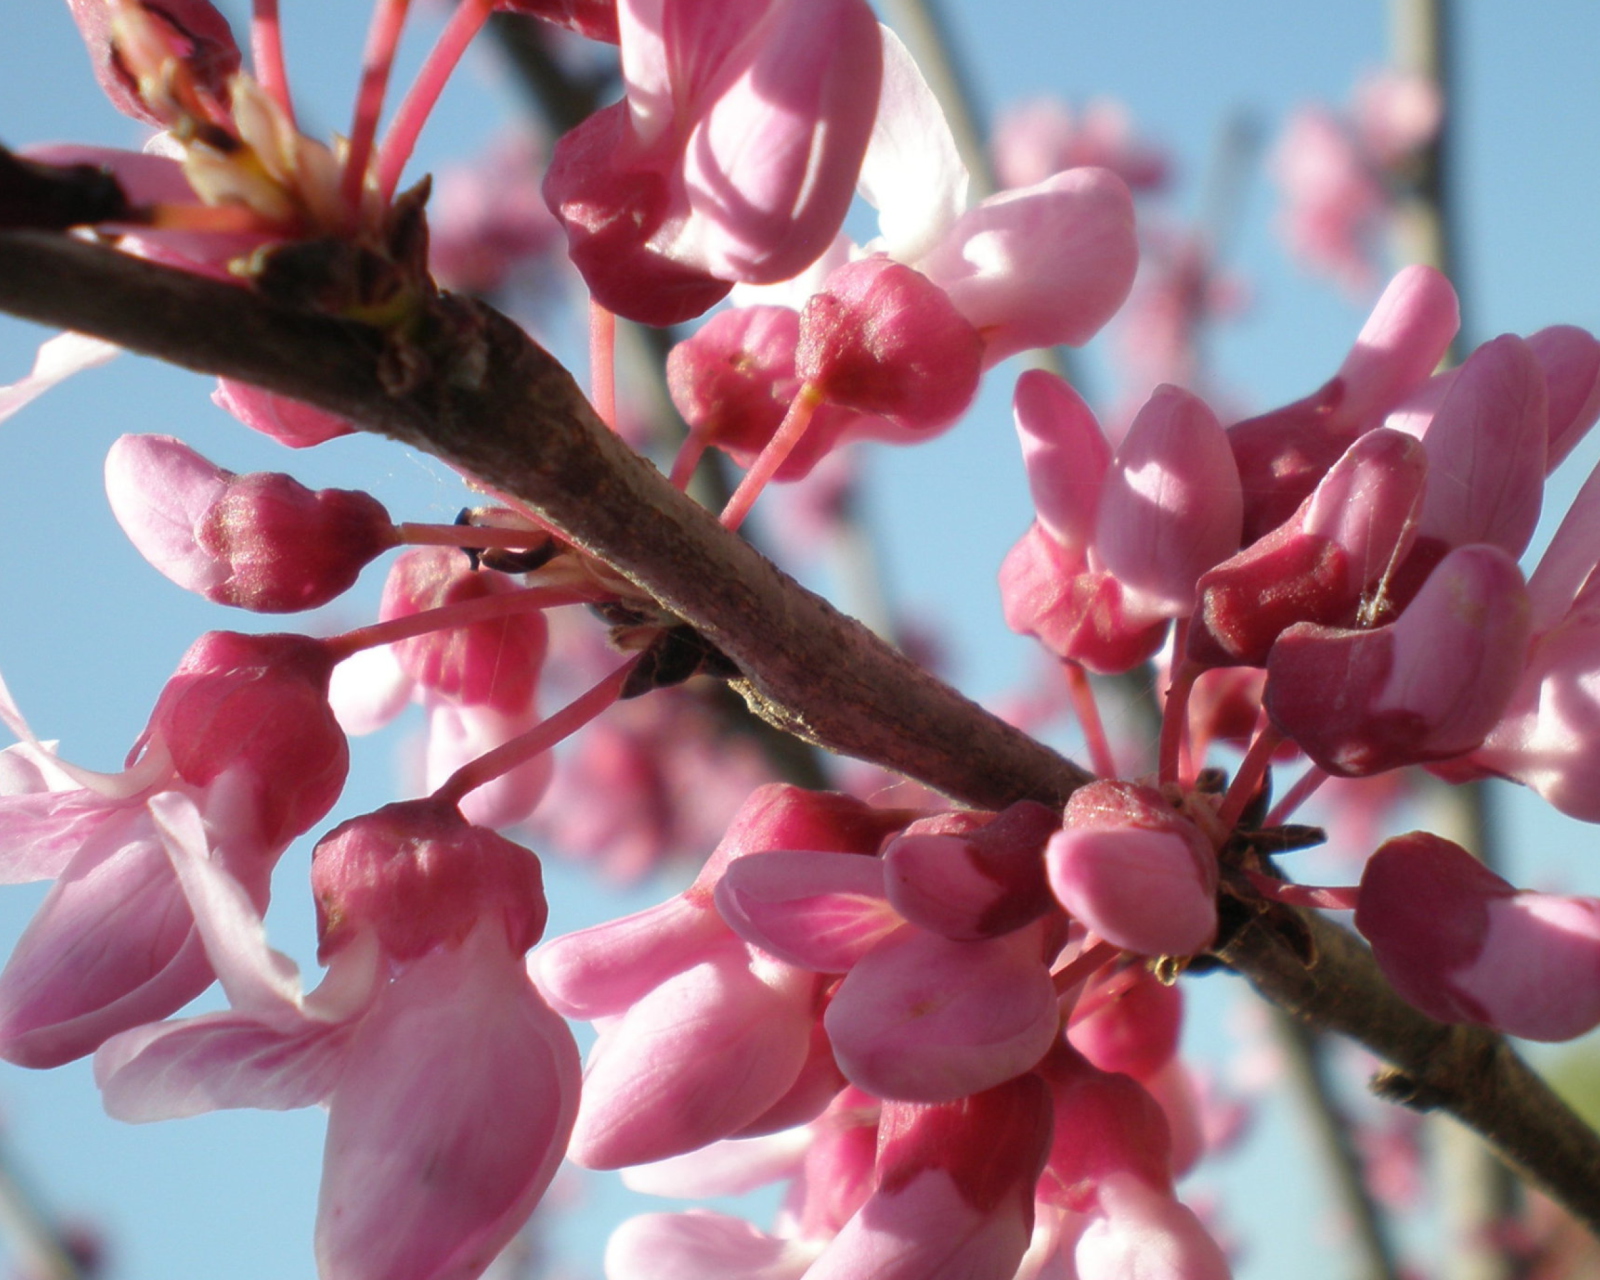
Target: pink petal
<point x="699" y="1244"/>
<point x="1145" y="891"/>
<point x="1065" y="453"/>
<point x="912" y="174"/>
<point x="729" y="1168"/>
<point x="1045" y="265"/>
<point x="1170" y="505"/>
<point x="771" y="167"/>
<point x="819" y="911"/>
<point x="695" y="1060"/>
<point x="449" y="1120"/>
<point x="602" y="970"/>
<point x="59" y="358"/>
<point x="929" y="1019"/>
<point x="160" y="492"/>
<point x="1486" y="450"/>
<point x="218" y="1060"/>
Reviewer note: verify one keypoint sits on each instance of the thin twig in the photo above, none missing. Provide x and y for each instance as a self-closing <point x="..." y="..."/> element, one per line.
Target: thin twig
<point x="1308" y="1065"/>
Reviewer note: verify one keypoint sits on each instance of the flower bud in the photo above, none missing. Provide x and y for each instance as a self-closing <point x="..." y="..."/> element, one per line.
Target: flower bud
<point x="261" y="541"/>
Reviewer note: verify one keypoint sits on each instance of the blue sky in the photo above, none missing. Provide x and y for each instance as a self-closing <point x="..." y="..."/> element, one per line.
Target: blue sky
<point x="89" y="632"/>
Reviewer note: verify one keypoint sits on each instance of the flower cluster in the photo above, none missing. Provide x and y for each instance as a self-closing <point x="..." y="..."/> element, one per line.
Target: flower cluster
<point x="952" y="1031"/>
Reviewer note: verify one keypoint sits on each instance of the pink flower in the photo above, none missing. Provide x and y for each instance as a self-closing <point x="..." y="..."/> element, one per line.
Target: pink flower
<point x="261" y="541"/>
<point x="244" y="732"/>
<point x="733" y="155"/>
<point x="1463" y="945"/>
<point x="450" y="1085"/>
<point x="701" y="1036"/>
<point x="479" y="683"/>
<point x="1134" y="871"/>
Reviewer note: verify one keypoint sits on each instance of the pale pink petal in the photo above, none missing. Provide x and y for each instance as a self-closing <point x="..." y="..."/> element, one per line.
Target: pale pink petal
<point x="1142" y="890"/>
<point x="695" y="1060"/>
<point x="1065" y="453"/>
<point x="604" y="969"/>
<point x="1045" y="265"/>
<point x="770" y="168"/>
<point x="1146" y="1234"/>
<point x="820" y="911"/>
<point x="113" y="945"/>
<point x="728" y="1168"/>
<point x="1486" y="450"/>
<point x="160" y="491"/>
<point x="218" y="1060"/>
<point x="369" y="689"/>
<point x="700" y="1244"/>
<point x="912" y="174"/>
<point x="1570" y="358"/>
<point x="448" y="1121"/>
<point x="1170" y="505"/>
<point x="930" y="1019"/>
<point x="458" y="734"/>
<point x="927" y="1230"/>
<point x="1400" y="345"/>
<point x="59" y="358"/>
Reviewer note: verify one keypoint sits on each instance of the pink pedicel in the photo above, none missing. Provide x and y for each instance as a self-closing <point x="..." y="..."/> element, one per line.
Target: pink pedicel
<point x="243" y="731"/>
<point x="479" y="683"/>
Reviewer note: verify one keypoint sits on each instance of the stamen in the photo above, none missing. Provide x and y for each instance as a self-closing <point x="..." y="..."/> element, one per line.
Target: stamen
<point x="1083" y="965"/>
<point x="401" y="140"/>
<point x="383" y="38"/>
<point x="266" y="54"/>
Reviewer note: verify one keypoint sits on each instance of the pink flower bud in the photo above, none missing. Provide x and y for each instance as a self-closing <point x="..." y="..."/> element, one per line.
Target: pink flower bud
<point x="1463" y="945"/>
<point x="420" y="876"/>
<point x="496" y="663"/>
<point x="1169" y="506"/>
<point x="977" y="884"/>
<point x="733" y="379"/>
<point x="1429" y="686"/>
<point x="1133" y="871"/>
<point x="261" y="541"/>
<point x="1350" y="532"/>
<point x="883" y="339"/>
<point x="260" y="702"/>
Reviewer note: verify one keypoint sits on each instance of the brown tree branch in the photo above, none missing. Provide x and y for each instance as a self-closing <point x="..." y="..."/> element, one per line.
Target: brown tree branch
<point x="474" y="390"/>
<point x="488" y="399"/>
